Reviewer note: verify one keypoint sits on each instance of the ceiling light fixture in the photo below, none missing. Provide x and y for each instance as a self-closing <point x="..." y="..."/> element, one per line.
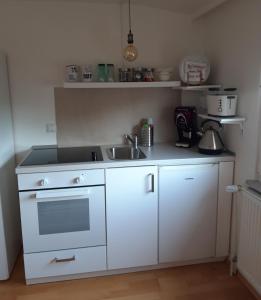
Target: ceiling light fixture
<point x="130" y="52"/>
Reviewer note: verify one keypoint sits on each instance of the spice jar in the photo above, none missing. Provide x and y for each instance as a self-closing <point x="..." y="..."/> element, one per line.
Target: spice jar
<point x="148" y="75"/>
<point x="137" y="74"/>
<point x="124" y="75"/>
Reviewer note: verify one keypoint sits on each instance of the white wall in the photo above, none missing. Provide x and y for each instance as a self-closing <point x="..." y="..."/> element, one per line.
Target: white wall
<point x="102" y="117"/>
<point x="10" y="240"/>
<point x="232" y="41"/>
<point x="41" y="37"/>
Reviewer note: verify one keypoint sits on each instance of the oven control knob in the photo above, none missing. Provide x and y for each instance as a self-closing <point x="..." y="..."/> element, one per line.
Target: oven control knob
<point x="79" y="180"/>
<point x="43" y="182"/>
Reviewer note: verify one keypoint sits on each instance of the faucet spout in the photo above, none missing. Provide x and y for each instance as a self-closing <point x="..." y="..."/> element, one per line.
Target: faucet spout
<point x="134" y="140"/>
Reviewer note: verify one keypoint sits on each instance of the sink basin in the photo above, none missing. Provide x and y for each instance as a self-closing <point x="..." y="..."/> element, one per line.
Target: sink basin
<point x="125" y="153"/>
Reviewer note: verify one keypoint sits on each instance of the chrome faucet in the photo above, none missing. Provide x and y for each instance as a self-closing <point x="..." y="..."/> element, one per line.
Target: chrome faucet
<point x="134" y="140"/>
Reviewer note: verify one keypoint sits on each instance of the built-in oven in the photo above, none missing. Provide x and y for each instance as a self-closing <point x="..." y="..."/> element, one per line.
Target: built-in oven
<point x="63" y="218"/>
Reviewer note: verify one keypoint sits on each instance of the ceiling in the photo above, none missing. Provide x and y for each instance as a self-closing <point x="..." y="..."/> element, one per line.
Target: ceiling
<point x="193" y="8"/>
<point x="189" y="7"/>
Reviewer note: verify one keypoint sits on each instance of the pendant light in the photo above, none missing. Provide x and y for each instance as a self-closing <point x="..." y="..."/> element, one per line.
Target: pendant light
<point x="130" y="52"/>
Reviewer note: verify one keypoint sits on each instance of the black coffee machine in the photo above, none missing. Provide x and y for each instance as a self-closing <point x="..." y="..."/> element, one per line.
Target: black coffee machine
<point x="186" y="122"/>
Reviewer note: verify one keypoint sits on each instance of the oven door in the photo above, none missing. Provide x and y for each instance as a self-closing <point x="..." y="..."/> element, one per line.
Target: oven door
<point x="63" y="218"/>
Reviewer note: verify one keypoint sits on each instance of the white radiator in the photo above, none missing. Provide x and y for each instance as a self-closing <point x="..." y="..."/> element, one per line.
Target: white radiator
<point x="249" y="237"/>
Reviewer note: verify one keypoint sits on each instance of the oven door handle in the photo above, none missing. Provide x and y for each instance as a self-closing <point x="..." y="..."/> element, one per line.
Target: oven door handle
<point x="60" y="194"/>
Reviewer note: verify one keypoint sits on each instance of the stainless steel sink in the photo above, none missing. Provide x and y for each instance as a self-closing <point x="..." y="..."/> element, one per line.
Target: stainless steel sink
<point x="125" y="153"/>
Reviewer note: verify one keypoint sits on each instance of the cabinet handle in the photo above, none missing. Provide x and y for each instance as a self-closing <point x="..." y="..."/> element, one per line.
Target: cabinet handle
<point x="152" y="182"/>
<point x="189" y="178"/>
<point x="62" y="260"/>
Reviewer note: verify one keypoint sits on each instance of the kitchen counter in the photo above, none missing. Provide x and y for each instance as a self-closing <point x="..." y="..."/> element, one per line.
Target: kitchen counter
<point x="159" y="155"/>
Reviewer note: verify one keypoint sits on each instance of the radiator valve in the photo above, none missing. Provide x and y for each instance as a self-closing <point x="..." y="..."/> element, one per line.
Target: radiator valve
<point x="232" y="188"/>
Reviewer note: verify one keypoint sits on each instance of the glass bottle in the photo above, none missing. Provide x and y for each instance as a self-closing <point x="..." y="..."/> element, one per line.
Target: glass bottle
<point x="146" y="133"/>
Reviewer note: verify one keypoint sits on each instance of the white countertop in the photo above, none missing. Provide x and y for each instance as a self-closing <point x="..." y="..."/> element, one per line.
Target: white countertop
<point x="159" y="155"/>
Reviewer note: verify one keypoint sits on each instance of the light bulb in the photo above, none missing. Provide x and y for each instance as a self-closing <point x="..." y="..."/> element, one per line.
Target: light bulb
<point x="130" y="52"/>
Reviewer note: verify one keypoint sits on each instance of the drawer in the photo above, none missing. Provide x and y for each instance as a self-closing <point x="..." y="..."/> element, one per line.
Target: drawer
<point x="65" y="262"/>
<point x="37" y="181"/>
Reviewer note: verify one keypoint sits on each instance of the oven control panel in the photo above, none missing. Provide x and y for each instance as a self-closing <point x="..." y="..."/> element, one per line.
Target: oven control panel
<point x="50" y="180"/>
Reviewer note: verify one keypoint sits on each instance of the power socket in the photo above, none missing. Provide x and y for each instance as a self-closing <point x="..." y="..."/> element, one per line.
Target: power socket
<point x="50" y="128"/>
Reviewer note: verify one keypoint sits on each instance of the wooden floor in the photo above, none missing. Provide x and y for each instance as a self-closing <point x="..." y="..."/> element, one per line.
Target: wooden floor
<point x="200" y="282"/>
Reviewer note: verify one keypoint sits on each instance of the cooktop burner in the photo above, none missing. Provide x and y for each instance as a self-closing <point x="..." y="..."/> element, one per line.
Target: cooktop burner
<point x="55" y="155"/>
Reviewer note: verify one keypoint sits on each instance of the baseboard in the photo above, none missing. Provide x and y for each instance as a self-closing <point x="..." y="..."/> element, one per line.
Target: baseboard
<point x="121" y="271"/>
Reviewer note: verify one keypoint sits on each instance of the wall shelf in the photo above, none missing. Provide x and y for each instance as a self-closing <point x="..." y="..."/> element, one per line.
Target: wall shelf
<point x="120" y="85"/>
<point x="226" y="120"/>
<point x="197" y="87"/>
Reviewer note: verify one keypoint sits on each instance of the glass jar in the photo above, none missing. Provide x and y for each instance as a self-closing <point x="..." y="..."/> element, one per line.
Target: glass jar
<point x="72" y="73"/>
<point x="120" y="75"/>
<point x="87" y="74"/>
<point x="137" y="74"/>
<point x="102" y="73"/>
<point x="148" y="75"/>
<point x="110" y="73"/>
<point x="124" y="75"/>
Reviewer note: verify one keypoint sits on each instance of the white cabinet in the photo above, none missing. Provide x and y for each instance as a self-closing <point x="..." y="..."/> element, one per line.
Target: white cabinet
<point x="187" y="212"/>
<point x="132" y="217"/>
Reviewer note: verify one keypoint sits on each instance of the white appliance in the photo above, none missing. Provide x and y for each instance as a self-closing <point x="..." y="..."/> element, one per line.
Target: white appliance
<point x="63" y="222"/>
<point x="63" y="218"/>
<point x="222" y="105"/>
<point x="10" y="240"/>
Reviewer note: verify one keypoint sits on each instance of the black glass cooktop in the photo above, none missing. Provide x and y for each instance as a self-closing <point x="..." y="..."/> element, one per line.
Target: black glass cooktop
<point x="55" y="155"/>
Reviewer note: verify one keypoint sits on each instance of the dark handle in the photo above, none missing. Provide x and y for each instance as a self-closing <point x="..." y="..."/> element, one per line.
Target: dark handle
<point x="62" y="260"/>
<point x="230" y="89"/>
<point x="206" y="121"/>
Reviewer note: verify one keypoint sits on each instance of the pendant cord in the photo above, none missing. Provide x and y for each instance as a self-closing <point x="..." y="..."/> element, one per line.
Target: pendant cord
<point x="129" y="16"/>
<point x="121" y="33"/>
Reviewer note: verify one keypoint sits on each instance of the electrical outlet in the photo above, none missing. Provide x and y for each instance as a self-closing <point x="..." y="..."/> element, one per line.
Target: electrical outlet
<point x="50" y="128"/>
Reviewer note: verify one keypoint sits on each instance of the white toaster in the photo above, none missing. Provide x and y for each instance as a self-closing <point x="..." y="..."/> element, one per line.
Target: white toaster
<point x="222" y="105"/>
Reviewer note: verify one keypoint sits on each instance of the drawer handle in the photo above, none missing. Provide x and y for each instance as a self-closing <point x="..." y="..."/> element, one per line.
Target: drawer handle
<point x="62" y="260"/>
<point x="189" y="178"/>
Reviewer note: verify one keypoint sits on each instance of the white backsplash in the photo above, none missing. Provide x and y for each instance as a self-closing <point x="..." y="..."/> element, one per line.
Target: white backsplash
<point x="90" y="117"/>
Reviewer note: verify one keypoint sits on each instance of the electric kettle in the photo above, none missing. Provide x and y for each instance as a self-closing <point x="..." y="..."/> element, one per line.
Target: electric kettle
<point x="211" y="142"/>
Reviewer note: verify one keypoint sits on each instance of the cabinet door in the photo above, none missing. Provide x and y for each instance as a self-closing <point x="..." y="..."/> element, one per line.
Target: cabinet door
<point x="187" y="212"/>
<point x="132" y="217"/>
